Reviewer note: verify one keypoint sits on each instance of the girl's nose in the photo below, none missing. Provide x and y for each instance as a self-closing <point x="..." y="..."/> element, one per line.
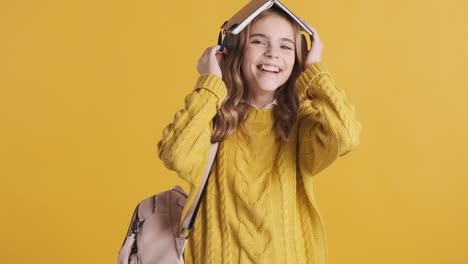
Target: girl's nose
<point x="272" y="52"/>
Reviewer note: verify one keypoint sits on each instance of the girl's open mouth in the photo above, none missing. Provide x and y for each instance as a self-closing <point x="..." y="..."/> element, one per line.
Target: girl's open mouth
<point x="269" y="68"/>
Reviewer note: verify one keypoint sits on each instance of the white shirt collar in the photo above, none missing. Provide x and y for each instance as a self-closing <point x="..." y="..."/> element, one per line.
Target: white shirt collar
<point x="268" y="106"/>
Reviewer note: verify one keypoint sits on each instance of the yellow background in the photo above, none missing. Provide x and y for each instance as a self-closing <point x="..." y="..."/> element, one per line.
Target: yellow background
<point x="86" y="88"/>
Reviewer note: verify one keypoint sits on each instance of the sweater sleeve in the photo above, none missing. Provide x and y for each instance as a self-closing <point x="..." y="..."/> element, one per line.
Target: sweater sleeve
<point x="327" y="124"/>
<point x="185" y="143"/>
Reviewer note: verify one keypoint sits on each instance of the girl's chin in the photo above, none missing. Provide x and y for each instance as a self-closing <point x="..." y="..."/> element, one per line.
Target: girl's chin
<point x="266" y="85"/>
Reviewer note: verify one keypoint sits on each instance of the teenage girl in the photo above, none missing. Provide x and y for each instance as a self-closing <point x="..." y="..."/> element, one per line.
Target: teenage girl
<point x="280" y="120"/>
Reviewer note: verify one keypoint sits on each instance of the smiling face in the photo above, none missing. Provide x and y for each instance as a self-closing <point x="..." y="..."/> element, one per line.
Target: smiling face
<point x="269" y="54"/>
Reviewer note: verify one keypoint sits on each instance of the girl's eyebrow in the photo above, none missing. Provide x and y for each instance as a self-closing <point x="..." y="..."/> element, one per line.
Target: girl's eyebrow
<point x="265" y="36"/>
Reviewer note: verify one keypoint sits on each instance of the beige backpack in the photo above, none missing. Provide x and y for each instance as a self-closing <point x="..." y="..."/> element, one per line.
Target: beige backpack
<point x="154" y="235"/>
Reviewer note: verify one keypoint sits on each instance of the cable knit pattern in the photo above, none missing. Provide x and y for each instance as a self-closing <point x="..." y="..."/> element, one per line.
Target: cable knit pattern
<point x="197" y="239"/>
<point x="191" y="127"/>
<point x="221" y="156"/>
<point x="252" y="188"/>
<point x="328" y="102"/>
<point x="259" y="206"/>
<point x="286" y="200"/>
<point x="307" y="230"/>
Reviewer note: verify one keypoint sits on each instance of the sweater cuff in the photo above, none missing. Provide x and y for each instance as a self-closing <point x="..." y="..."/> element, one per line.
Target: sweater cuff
<point x="214" y="84"/>
<point x="309" y="76"/>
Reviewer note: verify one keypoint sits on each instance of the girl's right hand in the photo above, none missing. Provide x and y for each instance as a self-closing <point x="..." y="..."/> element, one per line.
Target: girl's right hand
<point x="210" y="61"/>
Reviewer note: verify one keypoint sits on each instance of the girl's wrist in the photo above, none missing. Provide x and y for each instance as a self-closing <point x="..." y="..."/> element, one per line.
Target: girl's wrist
<point x="309" y="64"/>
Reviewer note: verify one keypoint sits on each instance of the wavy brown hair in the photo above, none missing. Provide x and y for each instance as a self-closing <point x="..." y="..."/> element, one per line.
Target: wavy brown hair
<point x="232" y="112"/>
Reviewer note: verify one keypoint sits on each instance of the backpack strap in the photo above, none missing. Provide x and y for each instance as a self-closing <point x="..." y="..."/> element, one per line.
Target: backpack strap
<point x="193" y="210"/>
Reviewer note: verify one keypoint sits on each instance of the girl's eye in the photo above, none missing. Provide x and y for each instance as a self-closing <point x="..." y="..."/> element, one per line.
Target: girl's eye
<point x="257" y="41"/>
<point x="286" y="47"/>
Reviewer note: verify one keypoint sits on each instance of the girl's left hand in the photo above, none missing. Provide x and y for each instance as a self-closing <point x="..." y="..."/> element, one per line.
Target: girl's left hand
<point x="315" y="53"/>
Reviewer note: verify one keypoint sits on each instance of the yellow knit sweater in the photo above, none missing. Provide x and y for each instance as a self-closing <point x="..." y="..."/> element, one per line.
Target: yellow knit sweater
<point x="259" y="205"/>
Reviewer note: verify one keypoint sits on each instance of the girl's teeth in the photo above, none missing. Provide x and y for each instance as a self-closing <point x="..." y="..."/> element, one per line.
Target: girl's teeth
<point x="270" y="68"/>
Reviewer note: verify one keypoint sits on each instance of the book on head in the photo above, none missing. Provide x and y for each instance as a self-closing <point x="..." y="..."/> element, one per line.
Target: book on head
<point x="247" y="13"/>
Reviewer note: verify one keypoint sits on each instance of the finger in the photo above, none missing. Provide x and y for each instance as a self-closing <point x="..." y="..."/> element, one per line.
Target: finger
<point x="210" y="50"/>
<point x="316" y="35"/>
<point x="215" y="49"/>
<point x="218" y="57"/>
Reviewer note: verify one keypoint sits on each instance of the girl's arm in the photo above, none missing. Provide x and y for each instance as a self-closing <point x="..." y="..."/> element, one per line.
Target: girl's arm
<point x="185" y="143"/>
<point x="328" y="127"/>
